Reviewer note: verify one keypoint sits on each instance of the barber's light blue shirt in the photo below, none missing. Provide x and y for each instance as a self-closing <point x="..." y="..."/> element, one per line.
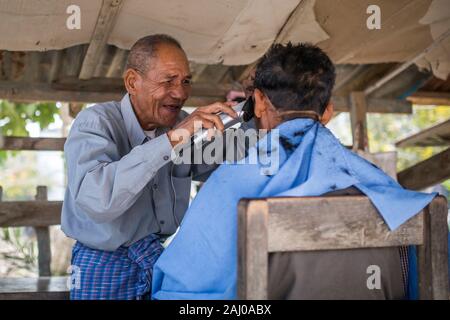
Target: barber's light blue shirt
<point x="122" y="186"/>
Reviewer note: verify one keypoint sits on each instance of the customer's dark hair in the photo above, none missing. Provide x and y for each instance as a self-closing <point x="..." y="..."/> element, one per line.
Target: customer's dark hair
<point x="296" y="77"/>
<point x="145" y="48"/>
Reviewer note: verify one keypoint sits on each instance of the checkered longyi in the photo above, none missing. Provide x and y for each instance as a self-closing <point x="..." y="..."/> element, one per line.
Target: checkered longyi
<point x="123" y="274"/>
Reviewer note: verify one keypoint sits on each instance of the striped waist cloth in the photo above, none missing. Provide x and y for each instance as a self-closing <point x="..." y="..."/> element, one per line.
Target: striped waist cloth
<point x="123" y="274"/>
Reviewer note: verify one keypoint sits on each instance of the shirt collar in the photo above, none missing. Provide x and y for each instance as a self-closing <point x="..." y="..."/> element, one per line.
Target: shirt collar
<point x="135" y="133"/>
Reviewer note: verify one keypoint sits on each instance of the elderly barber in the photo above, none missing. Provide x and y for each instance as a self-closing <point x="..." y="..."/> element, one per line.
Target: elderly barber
<point x="124" y="194"/>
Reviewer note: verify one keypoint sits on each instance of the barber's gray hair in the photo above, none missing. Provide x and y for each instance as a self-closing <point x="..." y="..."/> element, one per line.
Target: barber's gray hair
<point x="145" y="48"/>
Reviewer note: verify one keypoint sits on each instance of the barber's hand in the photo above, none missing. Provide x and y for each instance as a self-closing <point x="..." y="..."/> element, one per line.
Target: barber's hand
<point x="206" y="116"/>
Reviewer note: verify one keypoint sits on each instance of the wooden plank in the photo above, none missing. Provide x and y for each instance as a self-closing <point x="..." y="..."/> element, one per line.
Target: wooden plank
<point x="55" y="65"/>
<point x="217" y="91"/>
<point x="197" y="71"/>
<point x="90" y="91"/>
<point x="31" y="73"/>
<point x="348" y="76"/>
<point x="43" y="240"/>
<point x="6" y="65"/>
<point x="406" y="64"/>
<point x="73" y="59"/>
<point x="374" y="105"/>
<point x="252" y="250"/>
<point x="395" y="88"/>
<point x="430" y="98"/>
<point x="105" y="23"/>
<point x="43" y="288"/>
<point x="438" y="234"/>
<point x="90" y="85"/>
<point x="358" y="111"/>
<point x="437" y="135"/>
<point x="199" y="90"/>
<point x="426" y="173"/>
<point x="213" y="74"/>
<point x="433" y="254"/>
<point x="44" y="251"/>
<point x="117" y="64"/>
<point x="379" y="105"/>
<point x="342" y="222"/>
<point x="36" y="144"/>
<point x="45" y="92"/>
<point x="15" y="91"/>
<point x="111" y="89"/>
<point x="30" y="213"/>
<point x="361" y="80"/>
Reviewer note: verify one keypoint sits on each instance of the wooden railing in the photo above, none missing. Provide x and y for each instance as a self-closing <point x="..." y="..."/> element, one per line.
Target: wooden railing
<point x="39" y="214"/>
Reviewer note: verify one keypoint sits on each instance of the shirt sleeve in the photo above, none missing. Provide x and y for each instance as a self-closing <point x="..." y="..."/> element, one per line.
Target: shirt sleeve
<point x="102" y="183"/>
<point x="232" y="151"/>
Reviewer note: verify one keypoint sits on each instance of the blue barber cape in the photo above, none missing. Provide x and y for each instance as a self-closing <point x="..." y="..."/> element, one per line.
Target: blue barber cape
<point x="201" y="261"/>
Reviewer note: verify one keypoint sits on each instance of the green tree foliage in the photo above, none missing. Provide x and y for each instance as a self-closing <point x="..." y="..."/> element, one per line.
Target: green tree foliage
<point x="386" y="129"/>
<point x="15" y="116"/>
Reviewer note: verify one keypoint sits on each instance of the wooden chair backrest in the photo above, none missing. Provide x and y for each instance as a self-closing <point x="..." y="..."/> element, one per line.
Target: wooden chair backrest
<point x="335" y="223"/>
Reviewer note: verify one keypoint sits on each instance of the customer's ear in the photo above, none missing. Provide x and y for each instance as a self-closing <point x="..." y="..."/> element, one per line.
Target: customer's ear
<point x="260" y="103"/>
<point x="327" y="114"/>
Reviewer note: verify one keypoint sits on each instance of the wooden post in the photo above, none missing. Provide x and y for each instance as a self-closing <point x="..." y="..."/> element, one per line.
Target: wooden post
<point x="43" y="239"/>
<point x="253" y="264"/>
<point x="433" y="254"/>
<point x="358" y="111"/>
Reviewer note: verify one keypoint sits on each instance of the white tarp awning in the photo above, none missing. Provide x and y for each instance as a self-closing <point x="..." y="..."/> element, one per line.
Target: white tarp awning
<point x="238" y="32"/>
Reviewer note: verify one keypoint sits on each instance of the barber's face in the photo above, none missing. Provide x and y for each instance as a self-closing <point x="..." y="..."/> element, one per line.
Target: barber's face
<point x="158" y="95"/>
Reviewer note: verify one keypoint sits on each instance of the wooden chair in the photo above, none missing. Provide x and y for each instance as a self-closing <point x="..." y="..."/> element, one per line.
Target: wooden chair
<point x="346" y="222"/>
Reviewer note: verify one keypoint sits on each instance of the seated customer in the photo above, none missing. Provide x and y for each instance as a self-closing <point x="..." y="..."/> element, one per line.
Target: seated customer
<point x="293" y="86"/>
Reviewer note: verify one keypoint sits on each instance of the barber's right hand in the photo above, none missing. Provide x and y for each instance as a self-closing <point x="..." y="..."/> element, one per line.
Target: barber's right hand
<point x="203" y="117"/>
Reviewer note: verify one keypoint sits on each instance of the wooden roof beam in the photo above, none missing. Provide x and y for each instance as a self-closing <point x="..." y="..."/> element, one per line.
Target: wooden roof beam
<point x="46" y="92"/>
<point x="117" y="64"/>
<point x="426" y="173"/>
<point x="430" y="98"/>
<point x="437" y="135"/>
<point x="103" y="27"/>
<point x="405" y="65"/>
<point x="374" y="105"/>
<point x="96" y="90"/>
